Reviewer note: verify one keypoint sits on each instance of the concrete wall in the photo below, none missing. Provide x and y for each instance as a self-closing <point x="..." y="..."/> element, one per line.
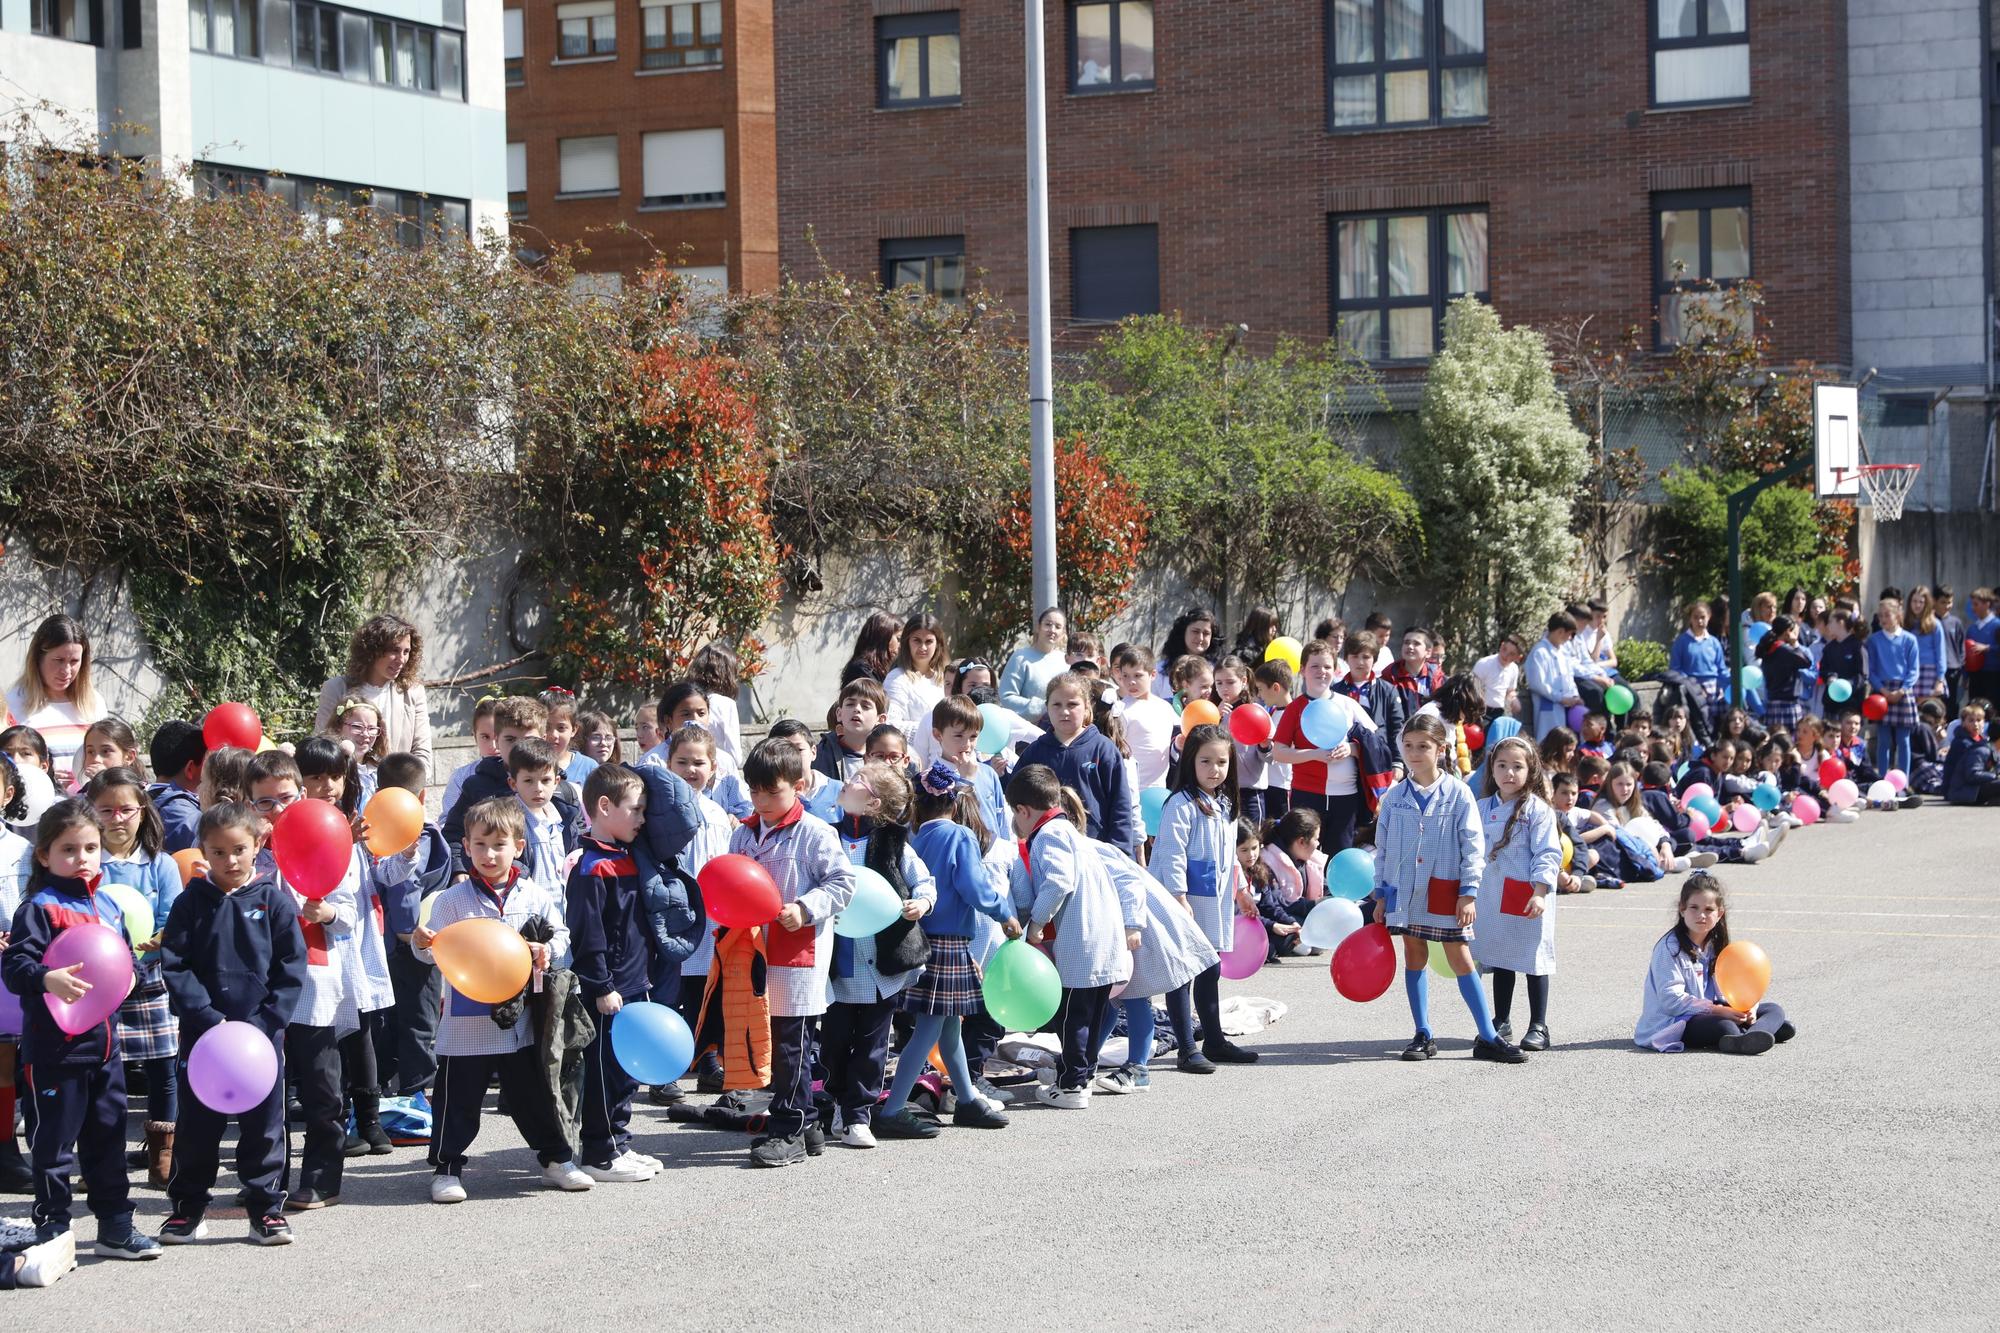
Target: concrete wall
<point x="1961" y="550"/>
<point x="1917" y="186"/>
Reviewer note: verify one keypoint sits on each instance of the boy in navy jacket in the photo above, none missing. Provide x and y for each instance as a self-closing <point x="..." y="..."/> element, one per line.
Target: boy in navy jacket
<point x="1085" y="759"/>
<point x="611" y="953"/>
<point x="514" y="719"/>
<point x="177" y="752"/>
<point x="232" y="950"/>
<point x="405" y="1062"/>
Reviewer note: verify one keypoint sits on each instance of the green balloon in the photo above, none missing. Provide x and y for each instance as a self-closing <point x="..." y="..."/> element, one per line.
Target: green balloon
<point x="1439" y="963"/>
<point x="1619" y="700"/>
<point x="1021" y="987"/>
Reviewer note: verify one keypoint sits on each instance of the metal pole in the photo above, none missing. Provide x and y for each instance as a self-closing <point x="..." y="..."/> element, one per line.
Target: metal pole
<point x="1041" y="420"/>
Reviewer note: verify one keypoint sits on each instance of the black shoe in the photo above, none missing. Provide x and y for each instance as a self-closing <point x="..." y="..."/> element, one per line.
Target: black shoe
<point x="708" y="1075"/>
<point x="815" y="1138"/>
<point x="1228" y="1053"/>
<point x="354" y="1146"/>
<point x="905" y="1124"/>
<point x="16" y="1176"/>
<point x="1786" y="1032"/>
<point x="666" y="1094"/>
<point x="1752" y="1042"/>
<point x="377" y="1139"/>
<point x="777" y="1150"/>
<point x="1537" y="1038"/>
<point x="1499" y="1052"/>
<point x="271" y="1229"/>
<point x="977" y="1115"/>
<point x="1194" y="1063"/>
<point x="1505" y="1028"/>
<point x="1421" y="1047"/>
<point x="307" y="1201"/>
<point x="132" y="1245"/>
<point x="183" y="1229"/>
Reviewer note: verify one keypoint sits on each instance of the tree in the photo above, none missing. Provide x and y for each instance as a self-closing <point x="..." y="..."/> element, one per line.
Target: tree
<point x="1783" y="541"/>
<point x="1605" y="386"/>
<point x="1495" y="472"/>
<point x="1248" y="464"/>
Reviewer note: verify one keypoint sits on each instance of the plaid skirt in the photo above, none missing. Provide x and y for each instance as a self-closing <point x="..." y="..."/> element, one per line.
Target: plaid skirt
<point x="146" y="1026"/>
<point x="1927" y="682"/>
<point x="1783" y="713"/>
<point x="1462" y="934"/>
<point x="950" y="983"/>
<point x="1903" y="713"/>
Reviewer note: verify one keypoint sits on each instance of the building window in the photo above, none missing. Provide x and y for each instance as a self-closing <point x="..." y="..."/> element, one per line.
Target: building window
<point x="588" y="166"/>
<point x="368" y="49"/>
<point x="71" y="20"/>
<point x="685" y="169"/>
<point x="1405" y="62"/>
<point x="680" y="36"/>
<point x="1394" y="273"/>
<point x="224" y="27"/>
<point x="517" y="179"/>
<point x="1110" y="46"/>
<point x="417" y="217"/>
<point x="512" y="43"/>
<point x="1701" y="51"/>
<point x="1701" y="244"/>
<point x="1114" y="272"/>
<point x="935" y="264"/>
<point x="587" y="30"/>
<point x="917" y="59"/>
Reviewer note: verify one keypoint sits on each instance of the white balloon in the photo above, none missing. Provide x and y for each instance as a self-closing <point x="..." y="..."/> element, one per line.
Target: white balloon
<point x="38" y="792"/>
<point x="1330" y="923"/>
<point x="1881" y="793"/>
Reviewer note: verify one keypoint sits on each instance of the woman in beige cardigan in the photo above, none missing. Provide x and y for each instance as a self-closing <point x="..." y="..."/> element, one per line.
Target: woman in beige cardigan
<point x="383" y="663"/>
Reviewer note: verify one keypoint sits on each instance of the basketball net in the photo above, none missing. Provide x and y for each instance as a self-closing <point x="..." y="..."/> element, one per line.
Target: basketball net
<point x="1884" y="485"/>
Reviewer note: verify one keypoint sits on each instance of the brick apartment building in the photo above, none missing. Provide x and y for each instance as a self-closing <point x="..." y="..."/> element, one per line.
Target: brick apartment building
<point x="653" y="113"/>
<point x="1307" y="165"/>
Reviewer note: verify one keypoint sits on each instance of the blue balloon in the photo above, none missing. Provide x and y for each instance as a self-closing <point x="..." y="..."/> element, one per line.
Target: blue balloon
<point x="1753" y="680"/>
<point x="1765" y="798"/>
<point x="1152" y="801"/>
<point x="996" y="728"/>
<point x="1351" y="875"/>
<point x="652" y="1042"/>
<point x="1325" y="722"/>
<point x="871" y="909"/>
<point x="1711" y="809"/>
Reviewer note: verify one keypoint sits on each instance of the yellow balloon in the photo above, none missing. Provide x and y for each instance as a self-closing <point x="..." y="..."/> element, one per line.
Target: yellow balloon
<point x="1284" y="649"/>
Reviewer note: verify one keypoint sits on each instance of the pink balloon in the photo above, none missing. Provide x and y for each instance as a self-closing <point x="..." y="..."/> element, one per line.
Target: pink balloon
<point x="107" y="966"/>
<point x="1744" y="820"/>
<point x="1805" y="809"/>
<point x="1248" y="952"/>
<point x="1898" y="779"/>
<point x="1698" y="825"/>
<point x="1843" y="793"/>
<point x="1699" y="789"/>
<point x="232" y="1067"/>
<point x="1118" y="987"/>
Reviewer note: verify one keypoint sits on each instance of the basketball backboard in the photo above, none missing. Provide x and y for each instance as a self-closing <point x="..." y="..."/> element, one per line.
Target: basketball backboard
<point x="1836" y="441"/>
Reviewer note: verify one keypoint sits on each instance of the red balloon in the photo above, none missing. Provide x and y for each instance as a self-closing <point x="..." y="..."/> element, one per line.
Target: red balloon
<point x="1831" y="770"/>
<point x="1250" y="724"/>
<point x="1875" y="707"/>
<point x="736" y="891"/>
<point x="1475" y="736"/>
<point x="1364" y="964"/>
<point x="314" y="845"/>
<point x="232" y="724"/>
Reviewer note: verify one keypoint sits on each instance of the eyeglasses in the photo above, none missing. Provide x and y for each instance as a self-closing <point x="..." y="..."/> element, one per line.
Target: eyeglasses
<point x="116" y="812"/>
<point x="271" y="805"/>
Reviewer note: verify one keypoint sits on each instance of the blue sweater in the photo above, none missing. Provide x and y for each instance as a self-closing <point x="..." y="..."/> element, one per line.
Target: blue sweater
<point x="180" y="813"/>
<point x="1702" y="659"/>
<point x="964" y="890"/>
<point x="1092" y="765"/>
<point x="1892" y="660"/>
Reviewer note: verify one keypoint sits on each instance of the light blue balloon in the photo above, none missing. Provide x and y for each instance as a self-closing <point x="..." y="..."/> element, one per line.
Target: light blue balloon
<point x="1325" y="722"/>
<point x="1753" y="680"/>
<point x="873" y="906"/>
<point x="1351" y="875"/>
<point x="996" y="727"/>
<point x="1152" y="801"/>
<point x="1330" y="923"/>
<point x="652" y="1042"/>
<point x="1765" y="797"/>
<point x="1711" y="809"/>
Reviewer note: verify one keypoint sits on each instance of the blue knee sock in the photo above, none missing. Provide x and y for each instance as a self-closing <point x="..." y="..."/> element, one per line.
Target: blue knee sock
<point x="1475" y="1000"/>
<point x="1418" y="990"/>
<point x="1139" y="1026"/>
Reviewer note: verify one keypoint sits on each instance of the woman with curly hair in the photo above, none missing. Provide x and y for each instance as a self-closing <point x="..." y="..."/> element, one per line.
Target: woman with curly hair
<point x="384" y="662"/>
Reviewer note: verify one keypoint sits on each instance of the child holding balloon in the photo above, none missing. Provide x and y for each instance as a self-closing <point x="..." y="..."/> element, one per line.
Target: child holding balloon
<point x="1684" y="1006"/>
<point x="1517" y="932"/>
<point x="231" y="951"/>
<point x="472" y="1048"/>
<point x="132" y="858"/>
<point x="1430" y="852"/>
<point x="1324" y="777"/>
<point x="71" y="1066"/>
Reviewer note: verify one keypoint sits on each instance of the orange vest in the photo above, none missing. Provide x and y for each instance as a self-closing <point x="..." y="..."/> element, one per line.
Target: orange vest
<point x="746" y="1014"/>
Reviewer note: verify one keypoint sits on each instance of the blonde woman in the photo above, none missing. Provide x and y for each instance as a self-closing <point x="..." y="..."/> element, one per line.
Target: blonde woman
<point x="54" y="695"/>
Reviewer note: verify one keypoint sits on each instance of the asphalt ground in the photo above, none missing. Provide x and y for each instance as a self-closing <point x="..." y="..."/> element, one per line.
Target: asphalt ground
<point x="1846" y="1180"/>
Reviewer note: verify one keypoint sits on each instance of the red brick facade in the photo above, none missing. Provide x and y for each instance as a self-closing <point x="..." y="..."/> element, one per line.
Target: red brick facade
<point x="559" y="99"/>
<point x="1231" y="155"/>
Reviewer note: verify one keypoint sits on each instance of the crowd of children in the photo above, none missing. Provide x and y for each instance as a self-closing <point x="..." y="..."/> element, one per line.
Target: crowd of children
<point x="1127" y="826"/>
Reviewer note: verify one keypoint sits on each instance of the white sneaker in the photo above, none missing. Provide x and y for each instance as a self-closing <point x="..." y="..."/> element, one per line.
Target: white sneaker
<point x="646" y="1159"/>
<point x="446" y="1189"/>
<point x="1755" y="848"/>
<point x="621" y="1172"/>
<point x="1847" y="816"/>
<point x="858" y="1136"/>
<point x="1063" y="1099"/>
<point x="1793" y="821"/>
<point x="1112" y="1082"/>
<point x="639" y="1162"/>
<point x="1679" y="865"/>
<point x="1775" y="832"/>
<point x="43" y="1265"/>
<point x="565" y="1176"/>
<point x="1703" y="860"/>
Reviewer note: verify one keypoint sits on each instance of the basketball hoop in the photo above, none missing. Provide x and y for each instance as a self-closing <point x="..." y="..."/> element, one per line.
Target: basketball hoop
<point x="1884" y="486"/>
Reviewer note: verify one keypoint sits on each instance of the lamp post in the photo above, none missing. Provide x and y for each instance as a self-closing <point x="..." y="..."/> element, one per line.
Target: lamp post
<point x="1041" y="420"/>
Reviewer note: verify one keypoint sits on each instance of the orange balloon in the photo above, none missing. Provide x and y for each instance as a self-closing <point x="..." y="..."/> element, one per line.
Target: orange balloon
<point x="1742" y="974"/>
<point x="1200" y="713"/>
<point x="190" y="863"/>
<point x="395" y="821"/>
<point x="483" y="958"/>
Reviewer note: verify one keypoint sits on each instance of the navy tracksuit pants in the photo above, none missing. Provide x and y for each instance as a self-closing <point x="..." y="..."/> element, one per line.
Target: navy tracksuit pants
<point x="261" y="1147"/>
<point x="607" y="1095"/>
<point x="794" y="1046"/>
<point x="1082" y="1021"/>
<point x="76" y="1121"/>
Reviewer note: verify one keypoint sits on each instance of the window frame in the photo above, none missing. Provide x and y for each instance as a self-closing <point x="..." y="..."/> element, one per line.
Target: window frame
<point x="891" y="28"/>
<point x="902" y="249"/>
<point x="1705" y="202"/>
<point x="667" y="203"/>
<point x="300" y="192"/>
<point x="238" y="8"/>
<point x="704" y="40"/>
<point x="514" y="68"/>
<point x="594" y="49"/>
<point x="1075" y="315"/>
<point x="1437" y="269"/>
<point x="45" y="20"/>
<point x="1434" y="61"/>
<point x="1117" y="85"/>
<point x="616" y="191"/>
<point x="306" y="35"/>
<point x="1655" y="44"/>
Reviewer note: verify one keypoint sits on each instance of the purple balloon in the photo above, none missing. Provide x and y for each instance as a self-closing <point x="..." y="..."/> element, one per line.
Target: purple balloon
<point x="1249" y="950"/>
<point x="107" y="966"/>
<point x="1576" y="717"/>
<point x="10" y="1012"/>
<point x="233" y="1067"/>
